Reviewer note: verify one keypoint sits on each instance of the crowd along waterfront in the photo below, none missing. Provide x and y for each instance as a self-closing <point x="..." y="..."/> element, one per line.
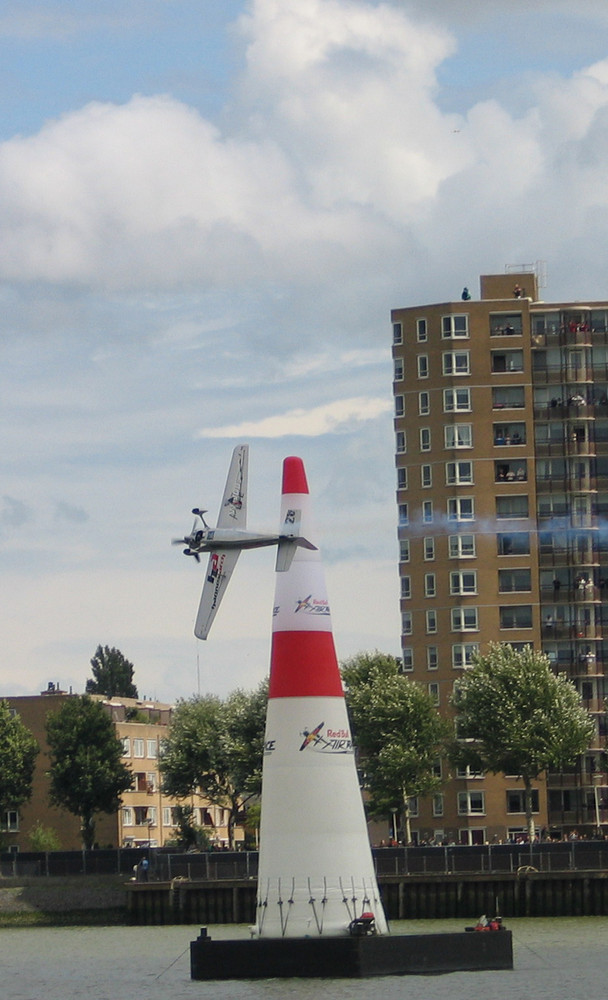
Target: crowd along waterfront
<point x="555" y="959"/>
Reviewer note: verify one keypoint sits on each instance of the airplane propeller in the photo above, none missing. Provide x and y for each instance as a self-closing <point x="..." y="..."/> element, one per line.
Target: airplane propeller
<point x="187" y="551"/>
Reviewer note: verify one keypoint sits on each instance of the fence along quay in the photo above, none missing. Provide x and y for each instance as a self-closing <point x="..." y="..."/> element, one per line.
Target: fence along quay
<point x="563" y="879"/>
<point x="549" y="879"/>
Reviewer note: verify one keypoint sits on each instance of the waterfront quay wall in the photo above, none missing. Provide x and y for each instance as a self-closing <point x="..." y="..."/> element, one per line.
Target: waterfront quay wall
<point x="414" y="897"/>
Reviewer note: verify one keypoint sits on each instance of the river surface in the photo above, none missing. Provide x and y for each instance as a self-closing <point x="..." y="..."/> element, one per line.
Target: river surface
<point x="555" y="959"/>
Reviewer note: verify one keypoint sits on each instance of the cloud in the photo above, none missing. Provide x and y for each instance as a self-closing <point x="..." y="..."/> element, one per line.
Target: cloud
<point x="15" y="513"/>
<point x="339" y="417"/>
<point x="70" y="513"/>
<point x="334" y="159"/>
<point x="163" y="270"/>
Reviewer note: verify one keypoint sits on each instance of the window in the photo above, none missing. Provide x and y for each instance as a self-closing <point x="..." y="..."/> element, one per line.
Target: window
<point x="508" y="397"/>
<point x="464" y="620"/>
<point x="471" y="803"/>
<point x="407" y="658"/>
<point x="456" y="363"/>
<point x="516" y="800"/>
<point x="127" y="816"/>
<point x="432" y="658"/>
<point x="505" y="324"/>
<point x="427" y="511"/>
<point x="425" y="439"/>
<point x="513" y="581"/>
<point x="458" y="436"/>
<point x="454" y="326"/>
<point x="401" y="442"/>
<point x="152" y="748"/>
<point x="406" y="623"/>
<point x="151" y="784"/>
<point x="434" y="693"/>
<point x="403" y="514"/>
<point x="468" y="773"/>
<point x="421" y="331"/>
<point x="430" y="587"/>
<point x="513" y="506"/>
<point x="406" y="587"/>
<point x="126" y="746"/>
<point x="507" y="361"/>
<point x="401" y="479"/>
<point x="398" y="370"/>
<point x="168" y="816"/>
<point x="138" y="748"/>
<point x="516" y="543"/>
<point x="511" y="472"/>
<point x="459" y="473"/>
<point x="461" y="546"/>
<point x="456" y="400"/>
<point x="399" y="406"/>
<point x="438" y="804"/>
<point x="9" y="821"/>
<point x="516" y="616"/>
<point x="426" y="476"/>
<point x="461" y="509"/>
<point x="431" y="622"/>
<point x="463" y="582"/>
<point x="462" y="654"/>
<point x="423" y="365"/>
<point x="507" y="434"/>
<point x="428" y="545"/>
<point x="397" y="333"/>
<point x="404" y="550"/>
<point x="145" y="815"/>
<point x="424" y="404"/>
<point x="412" y="805"/>
<point x="140" y="783"/>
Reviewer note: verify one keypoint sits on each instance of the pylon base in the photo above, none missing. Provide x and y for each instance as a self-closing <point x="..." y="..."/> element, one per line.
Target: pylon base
<point x="349" y="957"/>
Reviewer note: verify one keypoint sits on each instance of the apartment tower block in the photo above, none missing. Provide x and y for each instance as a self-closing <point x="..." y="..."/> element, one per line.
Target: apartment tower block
<point x="501" y="424"/>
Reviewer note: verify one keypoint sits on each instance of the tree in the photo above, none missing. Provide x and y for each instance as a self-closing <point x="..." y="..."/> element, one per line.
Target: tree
<point x="112" y="674"/>
<point x="43" y="838"/>
<point x="217" y="746"/>
<point x="516" y="716"/>
<point x="18" y="752"/>
<point x="398" y="732"/>
<point x="87" y="772"/>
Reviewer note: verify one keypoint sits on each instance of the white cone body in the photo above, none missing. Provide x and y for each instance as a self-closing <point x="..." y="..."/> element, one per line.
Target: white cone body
<point x="316" y="870"/>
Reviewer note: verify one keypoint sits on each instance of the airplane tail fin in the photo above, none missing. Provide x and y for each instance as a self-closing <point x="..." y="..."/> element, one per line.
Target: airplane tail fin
<point x="290" y="539"/>
<point x="287" y="549"/>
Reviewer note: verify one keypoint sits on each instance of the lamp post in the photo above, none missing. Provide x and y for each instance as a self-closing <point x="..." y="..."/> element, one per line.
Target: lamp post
<point x="394" y="824"/>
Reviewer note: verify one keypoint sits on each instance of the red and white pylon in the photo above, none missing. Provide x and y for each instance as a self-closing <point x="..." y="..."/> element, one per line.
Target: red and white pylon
<point x="316" y="872"/>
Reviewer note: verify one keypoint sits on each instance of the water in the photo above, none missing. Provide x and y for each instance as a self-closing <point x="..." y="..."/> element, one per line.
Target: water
<point x="555" y="959"/>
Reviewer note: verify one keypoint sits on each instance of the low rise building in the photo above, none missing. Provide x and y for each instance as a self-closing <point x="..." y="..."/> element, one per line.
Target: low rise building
<point x="147" y="817"/>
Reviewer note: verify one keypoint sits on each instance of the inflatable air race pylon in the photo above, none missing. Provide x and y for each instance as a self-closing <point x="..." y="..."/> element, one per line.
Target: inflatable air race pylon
<point x="316" y="875"/>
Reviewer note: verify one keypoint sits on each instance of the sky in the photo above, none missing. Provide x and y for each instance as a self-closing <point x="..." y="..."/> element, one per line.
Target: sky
<point x="207" y="212"/>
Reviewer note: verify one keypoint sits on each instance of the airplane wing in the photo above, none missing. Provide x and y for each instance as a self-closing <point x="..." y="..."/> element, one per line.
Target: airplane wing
<point x="219" y="570"/>
<point x="233" y="512"/>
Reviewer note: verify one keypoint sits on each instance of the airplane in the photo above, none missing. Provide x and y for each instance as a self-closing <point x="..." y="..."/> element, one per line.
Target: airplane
<point x="225" y="542"/>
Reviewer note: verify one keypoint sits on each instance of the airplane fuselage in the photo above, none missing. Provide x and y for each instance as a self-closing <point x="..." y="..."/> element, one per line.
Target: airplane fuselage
<point x="210" y="539"/>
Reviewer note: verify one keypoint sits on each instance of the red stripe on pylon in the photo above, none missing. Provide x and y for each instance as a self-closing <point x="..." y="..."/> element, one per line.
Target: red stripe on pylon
<point x="294" y="476"/>
<point x="304" y="665"/>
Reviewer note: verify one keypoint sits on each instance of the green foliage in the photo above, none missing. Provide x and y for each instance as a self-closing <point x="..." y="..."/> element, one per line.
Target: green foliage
<point x="18" y="752"/>
<point x="43" y="838"/>
<point x="397" y="729"/>
<point x="112" y="674"/>
<point x="189" y="836"/>
<point x="87" y="772"/>
<point x="518" y="717"/>
<point x="217" y="746"/>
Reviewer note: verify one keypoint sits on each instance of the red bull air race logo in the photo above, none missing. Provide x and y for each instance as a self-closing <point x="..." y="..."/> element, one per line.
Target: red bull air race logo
<point x="323" y="739"/>
<point x="317" y="606"/>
